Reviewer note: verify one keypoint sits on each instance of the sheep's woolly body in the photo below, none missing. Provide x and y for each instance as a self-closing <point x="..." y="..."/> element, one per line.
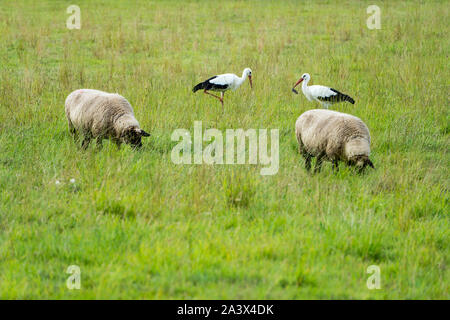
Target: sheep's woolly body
<point x="332" y="135"/>
<point x="98" y="114"/>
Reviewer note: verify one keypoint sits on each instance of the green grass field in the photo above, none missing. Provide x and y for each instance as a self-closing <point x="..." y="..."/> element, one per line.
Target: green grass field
<point x="140" y="226"/>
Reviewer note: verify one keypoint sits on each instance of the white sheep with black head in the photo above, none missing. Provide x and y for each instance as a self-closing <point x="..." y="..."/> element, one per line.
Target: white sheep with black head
<point x="100" y="115"/>
<point x="333" y="136"/>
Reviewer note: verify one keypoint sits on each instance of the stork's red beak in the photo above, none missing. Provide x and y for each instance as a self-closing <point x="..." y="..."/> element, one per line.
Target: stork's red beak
<point x="293" y="89"/>
<point x="250" y="79"/>
<point x="298" y="82"/>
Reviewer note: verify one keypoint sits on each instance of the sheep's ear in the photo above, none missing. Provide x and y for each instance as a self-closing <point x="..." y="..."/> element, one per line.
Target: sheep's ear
<point x="370" y="163"/>
<point x="145" y="134"/>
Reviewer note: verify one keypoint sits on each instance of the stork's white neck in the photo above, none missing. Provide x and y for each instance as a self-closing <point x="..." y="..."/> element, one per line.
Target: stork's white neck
<point x="241" y="79"/>
<point x="305" y="89"/>
<point x="244" y="75"/>
<point x="305" y="85"/>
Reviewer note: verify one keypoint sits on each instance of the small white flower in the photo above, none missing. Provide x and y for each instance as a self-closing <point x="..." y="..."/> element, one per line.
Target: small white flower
<point x="72" y="180"/>
<point x="57" y="182"/>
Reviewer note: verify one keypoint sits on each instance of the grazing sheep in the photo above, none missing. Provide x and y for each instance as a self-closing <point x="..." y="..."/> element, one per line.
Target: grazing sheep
<point x="333" y="136"/>
<point x="102" y="115"/>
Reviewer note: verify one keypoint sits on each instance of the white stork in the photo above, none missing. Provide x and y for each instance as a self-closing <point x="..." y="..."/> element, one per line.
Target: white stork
<point x="324" y="95"/>
<point x="223" y="83"/>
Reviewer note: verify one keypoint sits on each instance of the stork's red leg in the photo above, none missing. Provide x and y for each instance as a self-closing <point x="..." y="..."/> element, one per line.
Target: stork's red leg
<point x="221" y="99"/>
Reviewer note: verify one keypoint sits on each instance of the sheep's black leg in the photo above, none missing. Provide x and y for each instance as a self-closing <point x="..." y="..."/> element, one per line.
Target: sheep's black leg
<point x="74" y="134"/>
<point x="99" y="143"/>
<point x="335" y="166"/>
<point x="319" y="161"/>
<point x="308" y="162"/>
<point x="72" y="131"/>
<point x="117" y="142"/>
<point x="305" y="154"/>
<point x="86" y="141"/>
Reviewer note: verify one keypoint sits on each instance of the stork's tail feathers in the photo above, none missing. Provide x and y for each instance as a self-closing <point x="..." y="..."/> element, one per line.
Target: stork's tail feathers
<point x="199" y="86"/>
<point x="349" y="99"/>
<point x="341" y="97"/>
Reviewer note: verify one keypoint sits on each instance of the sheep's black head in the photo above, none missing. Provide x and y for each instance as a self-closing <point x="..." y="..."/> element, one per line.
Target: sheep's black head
<point x="133" y="136"/>
<point x="360" y="162"/>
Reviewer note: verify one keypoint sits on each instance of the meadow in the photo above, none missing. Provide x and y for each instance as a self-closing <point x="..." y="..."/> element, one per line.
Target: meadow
<point x="142" y="227"/>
